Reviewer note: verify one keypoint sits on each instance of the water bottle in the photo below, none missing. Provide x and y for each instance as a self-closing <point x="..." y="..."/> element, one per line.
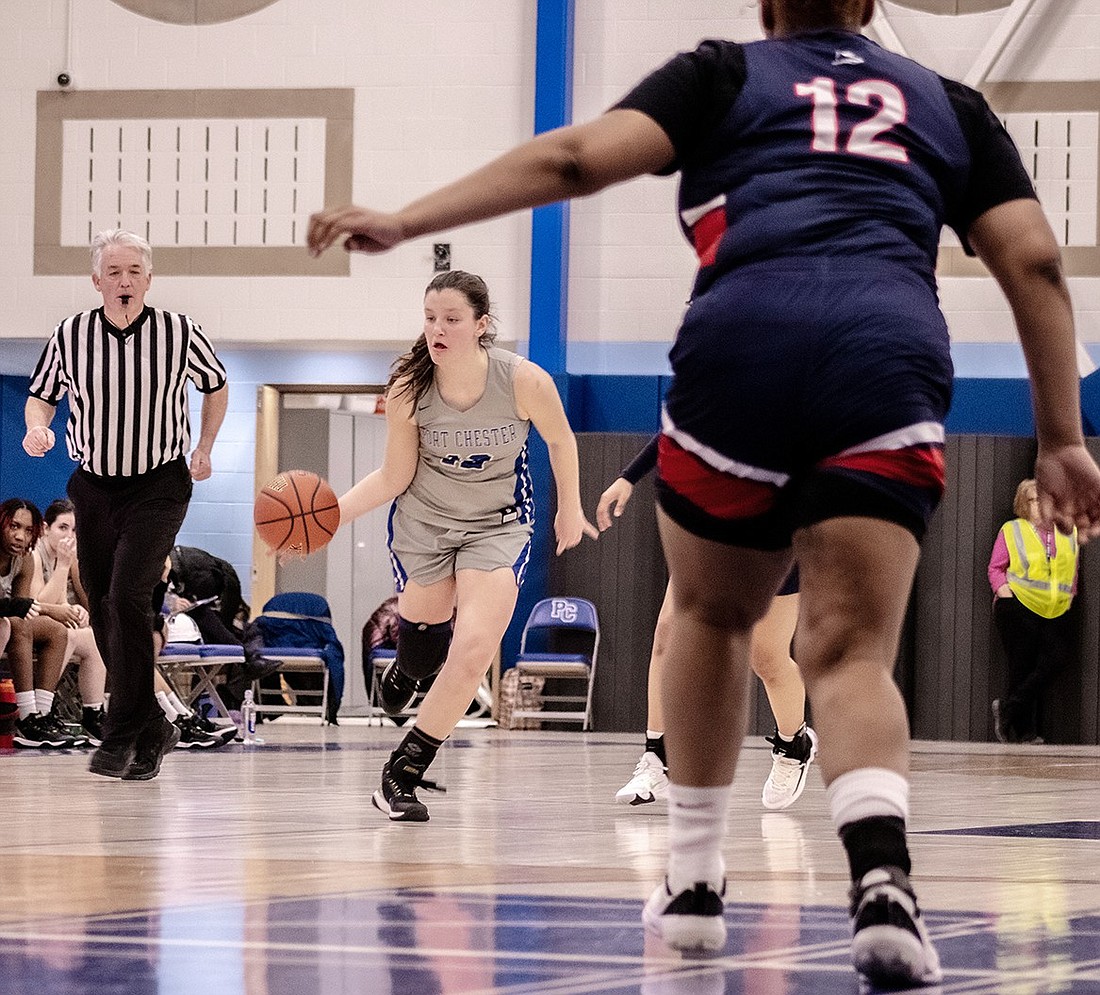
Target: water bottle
<point x="248" y="719"/>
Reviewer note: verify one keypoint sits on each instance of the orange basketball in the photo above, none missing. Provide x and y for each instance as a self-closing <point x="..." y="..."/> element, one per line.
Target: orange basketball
<point x="297" y="512"/>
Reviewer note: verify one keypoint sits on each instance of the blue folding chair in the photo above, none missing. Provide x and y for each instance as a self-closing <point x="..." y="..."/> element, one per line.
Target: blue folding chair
<point x="567" y="634"/>
<point x="297" y="632"/>
<point x="201" y="665"/>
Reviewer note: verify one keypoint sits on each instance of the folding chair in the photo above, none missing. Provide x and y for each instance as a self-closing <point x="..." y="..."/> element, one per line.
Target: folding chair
<point x="297" y="632"/>
<point x="379" y="658"/>
<point x="202" y="664"/>
<point x="568" y="630"/>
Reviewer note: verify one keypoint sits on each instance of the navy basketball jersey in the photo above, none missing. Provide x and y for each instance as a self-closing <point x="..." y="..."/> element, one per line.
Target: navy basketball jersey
<point x="824" y="144"/>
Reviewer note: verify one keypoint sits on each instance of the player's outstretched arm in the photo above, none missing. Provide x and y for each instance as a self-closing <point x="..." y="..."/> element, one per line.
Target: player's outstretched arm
<point x="398" y="461"/>
<point x="537" y="398"/>
<point x="1015" y="241"/>
<point x="558" y="165"/>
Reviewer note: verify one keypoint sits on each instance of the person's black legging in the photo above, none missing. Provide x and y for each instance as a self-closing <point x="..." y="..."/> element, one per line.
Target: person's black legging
<point x="1037" y="650"/>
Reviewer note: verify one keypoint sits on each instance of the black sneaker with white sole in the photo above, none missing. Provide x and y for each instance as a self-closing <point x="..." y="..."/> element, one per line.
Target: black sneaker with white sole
<point x="396" y="690"/>
<point x="397" y="796"/>
<point x="223" y="733"/>
<point x="92" y="719"/>
<point x="890" y="945"/>
<point x="73" y="731"/>
<point x="691" y="920"/>
<point x="38" y="732"/>
<point x="192" y="737"/>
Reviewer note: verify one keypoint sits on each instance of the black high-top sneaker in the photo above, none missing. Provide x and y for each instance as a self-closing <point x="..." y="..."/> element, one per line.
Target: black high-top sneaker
<point x="92" y="719"/>
<point x="691" y="920"/>
<point x="890" y="946"/>
<point x="397" y="796"/>
<point x="396" y="690"/>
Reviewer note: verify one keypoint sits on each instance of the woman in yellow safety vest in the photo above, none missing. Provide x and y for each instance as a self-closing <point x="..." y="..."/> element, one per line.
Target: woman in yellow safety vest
<point x="1033" y="573"/>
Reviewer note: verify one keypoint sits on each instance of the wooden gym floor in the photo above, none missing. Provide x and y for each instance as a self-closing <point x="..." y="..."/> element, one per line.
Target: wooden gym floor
<point x="264" y="870"/>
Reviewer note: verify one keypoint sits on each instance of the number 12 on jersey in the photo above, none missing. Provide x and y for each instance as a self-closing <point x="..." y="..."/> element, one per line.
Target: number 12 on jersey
<point x="865" y="138"/>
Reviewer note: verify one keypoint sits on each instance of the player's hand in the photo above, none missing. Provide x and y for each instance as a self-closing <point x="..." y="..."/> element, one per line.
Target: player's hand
<point x="570" y="528"/>
<point x="34" y="611"/>
<point x="1068" y="481"/>
<point x="613" y="501"/>
<point x="38" y="441"/>
<point x="66" y="552"/>
<point x="67" y="615"/>
<point x="363" y="230"/>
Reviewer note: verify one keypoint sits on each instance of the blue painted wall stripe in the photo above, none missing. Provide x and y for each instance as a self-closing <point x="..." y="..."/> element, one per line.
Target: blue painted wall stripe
<point x="550" y="224"/>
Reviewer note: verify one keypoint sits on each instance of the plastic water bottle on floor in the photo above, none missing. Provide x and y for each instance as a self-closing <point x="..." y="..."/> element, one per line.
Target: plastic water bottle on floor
<point x="248" y="720"/>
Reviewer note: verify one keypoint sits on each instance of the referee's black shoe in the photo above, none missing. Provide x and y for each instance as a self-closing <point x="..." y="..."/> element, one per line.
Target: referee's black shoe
<point x="155" y="741"/>
<point x="396" y="690"/>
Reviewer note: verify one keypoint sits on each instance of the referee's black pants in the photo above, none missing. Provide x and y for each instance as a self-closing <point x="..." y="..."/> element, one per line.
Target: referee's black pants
<point x="125" y="528"/>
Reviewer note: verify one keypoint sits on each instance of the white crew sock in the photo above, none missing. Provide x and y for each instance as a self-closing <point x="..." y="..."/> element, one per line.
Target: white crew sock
<point x="166" y="706"/>
<point x="179" y="706"/>
<point x="24" y="701"/>
<point x="43" y="700"/>
<point x="696" y="831"/>
<point x="867" y="792"/>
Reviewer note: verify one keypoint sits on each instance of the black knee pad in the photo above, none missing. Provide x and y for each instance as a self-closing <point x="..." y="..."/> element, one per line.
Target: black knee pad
<point x="422" y="647"/>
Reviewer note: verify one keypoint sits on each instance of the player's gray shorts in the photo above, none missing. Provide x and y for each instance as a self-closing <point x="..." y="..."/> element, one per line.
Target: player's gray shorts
<point x="430" y="553"/>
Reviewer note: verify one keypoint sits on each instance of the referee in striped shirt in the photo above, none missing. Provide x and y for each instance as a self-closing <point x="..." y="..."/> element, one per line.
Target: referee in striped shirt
<point x="125" y="367"/>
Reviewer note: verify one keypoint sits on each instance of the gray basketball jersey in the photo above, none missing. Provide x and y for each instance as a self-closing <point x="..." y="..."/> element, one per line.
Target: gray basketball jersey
<point x="7" y="581"/>
<point x="46" y="564"/>
<point x="472" y="468"/>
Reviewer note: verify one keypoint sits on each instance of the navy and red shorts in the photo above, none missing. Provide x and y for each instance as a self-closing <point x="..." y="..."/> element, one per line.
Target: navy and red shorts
<point x="802" y="392"/>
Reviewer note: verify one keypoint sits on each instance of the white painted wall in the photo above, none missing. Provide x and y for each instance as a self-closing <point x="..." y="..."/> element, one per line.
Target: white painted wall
<point x="630" y="268"/>
<point x="440" y="88"/>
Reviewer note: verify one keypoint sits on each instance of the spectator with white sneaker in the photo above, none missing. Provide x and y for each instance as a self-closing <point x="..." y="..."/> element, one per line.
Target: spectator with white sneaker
<point x="197" y="732"/>
<point x="57" y="581"/>
<point x="38" y="644"/>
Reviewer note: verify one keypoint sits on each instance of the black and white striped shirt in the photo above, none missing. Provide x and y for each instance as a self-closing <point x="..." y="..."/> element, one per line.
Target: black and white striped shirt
<point x="127" y="389"/>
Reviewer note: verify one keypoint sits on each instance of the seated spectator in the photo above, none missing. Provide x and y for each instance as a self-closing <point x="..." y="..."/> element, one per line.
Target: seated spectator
<point x="38" y="644"/>
<point x="197" y="576"/>
<point x="209" y="590"/>
<point x="18" y="608"/>
<point x="379" y="632"/>
<point x="197" y="732"/>
<point x="57" y="581"/>
<point x="1033" y="573"/>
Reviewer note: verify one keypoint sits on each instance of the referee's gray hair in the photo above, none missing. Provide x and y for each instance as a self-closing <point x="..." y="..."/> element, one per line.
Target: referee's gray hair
<point x="120" y="236"/>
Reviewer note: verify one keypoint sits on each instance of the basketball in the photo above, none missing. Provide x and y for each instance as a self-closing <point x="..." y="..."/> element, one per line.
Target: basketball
<point x="297" y="512"/>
